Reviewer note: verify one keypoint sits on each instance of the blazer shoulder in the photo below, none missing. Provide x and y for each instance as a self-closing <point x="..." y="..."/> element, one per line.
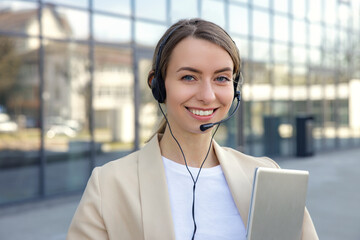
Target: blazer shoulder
<point x="243" y="158"/>
<point x="120" y="167"/>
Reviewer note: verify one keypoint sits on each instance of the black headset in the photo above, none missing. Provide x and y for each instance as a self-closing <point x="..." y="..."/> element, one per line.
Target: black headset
<point x="158" y="83"/>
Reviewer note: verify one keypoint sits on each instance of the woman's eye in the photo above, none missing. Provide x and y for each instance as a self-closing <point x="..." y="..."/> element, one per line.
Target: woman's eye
<point x="222" y="79"/>
<point x="188" y="78"/>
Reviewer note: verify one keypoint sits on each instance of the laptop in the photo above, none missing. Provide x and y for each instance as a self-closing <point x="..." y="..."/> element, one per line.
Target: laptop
<point x="277" y="204"/>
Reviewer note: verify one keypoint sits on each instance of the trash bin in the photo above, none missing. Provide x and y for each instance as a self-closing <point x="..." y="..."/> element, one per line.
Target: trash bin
<point x="271" y="136"/>
<point x="304" y="135"/>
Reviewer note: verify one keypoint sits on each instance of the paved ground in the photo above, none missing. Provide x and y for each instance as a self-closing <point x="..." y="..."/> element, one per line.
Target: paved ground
<point x="333" y="201"/>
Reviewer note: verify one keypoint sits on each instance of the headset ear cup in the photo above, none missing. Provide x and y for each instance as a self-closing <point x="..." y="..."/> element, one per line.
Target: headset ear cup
<point x="158" y="89"/>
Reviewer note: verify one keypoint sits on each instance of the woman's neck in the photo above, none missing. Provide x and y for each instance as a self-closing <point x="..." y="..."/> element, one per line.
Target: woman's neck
<point x="194" y="147"/>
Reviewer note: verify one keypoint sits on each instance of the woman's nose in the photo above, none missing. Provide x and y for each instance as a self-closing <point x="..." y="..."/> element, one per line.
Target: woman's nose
<point x="206" y="92"/>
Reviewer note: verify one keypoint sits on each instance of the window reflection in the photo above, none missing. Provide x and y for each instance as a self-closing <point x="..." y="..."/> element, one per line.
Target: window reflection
<point x="299" y="77"/>
<point x="330" y="13"/>
<point x="299" y="55"/>
<point x="281" y="76"/>
<point x="281" y="6"/>
<point x="261" y="27"/>
<point x="238" y="20"/>
<point x="299" y="8"/>
<point x="299" y="32"/>
<point x="261" y="3"/>
<point x="148" y="34"/>
<point x="281" y="53"/>
<point x="19" y="120"/>
<point x="113" y="102"/>
<point x="154" y="9"/>
<point x="213" y="10"/>
<point x="66" y="125"/>
<point x="110" y="29"/>
<point x="243" y="46"/>
<point x="122" y="7"/>
<point x="178" y="11"/>
<point x="314" y="13"/>
<point x="78" y="3"/>
<point x="315" y="37"/>
<point x="281" y="28"/>
<point x="65" y="23"/>
<point x="260" y="51"/>
<point x="11" y="11"/>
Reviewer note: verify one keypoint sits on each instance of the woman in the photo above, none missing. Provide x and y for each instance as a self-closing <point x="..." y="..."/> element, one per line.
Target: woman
<point x="181" y="184"/>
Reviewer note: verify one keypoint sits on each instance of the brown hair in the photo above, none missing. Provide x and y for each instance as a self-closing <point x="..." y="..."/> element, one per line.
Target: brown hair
<point x="196" y="28"/>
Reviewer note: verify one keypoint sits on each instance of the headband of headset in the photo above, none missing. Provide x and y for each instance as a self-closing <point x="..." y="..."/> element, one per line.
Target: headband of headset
<point x="158" y="83"/>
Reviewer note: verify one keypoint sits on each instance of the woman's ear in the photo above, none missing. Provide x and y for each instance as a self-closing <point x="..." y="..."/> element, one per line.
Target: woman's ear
<point x="151" y="76"/>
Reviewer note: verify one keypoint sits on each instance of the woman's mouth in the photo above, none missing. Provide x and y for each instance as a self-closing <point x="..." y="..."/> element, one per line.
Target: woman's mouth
<point x="201" y="112"/>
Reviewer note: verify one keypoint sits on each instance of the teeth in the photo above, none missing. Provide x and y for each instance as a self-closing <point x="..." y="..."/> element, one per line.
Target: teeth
<point x="201" y="113"/>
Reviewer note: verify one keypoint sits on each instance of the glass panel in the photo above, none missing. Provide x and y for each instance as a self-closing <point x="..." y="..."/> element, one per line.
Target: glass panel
<point x="299" y="55"/>
<point x="281" y="28"/>
<point x="114" y="121"/>
<point x="110" y="29"/>
<point x="281" y="77"/>
<point x="120" y="6"/>
<point x="214" y="11"/>
<point x="261" y="3"/>
<point x="66" y="103"/>
<point x="299" y="76"/>
<point x="260" y="51"/>
<point x="355" y="15"/>
<point x="65" y="23"/>
<point x="329" y="42"/>
<point x="178" y="11"/>
<point x="19" y="17"/>
<point x="315" y="56"/>
<point x="77" y="3"/>
<point x="299" y="8"/>
<point x="344" y="132"/>
<point x="257" y="112"/>
<point x="149" y="115"/>
<point x="281" y="5"/>
<point x="330" y="13"/>
<point x="329" y="122"/>
<point x="281" y="53"/>
<point x="344" y="15"/>
<point x="281" y="110"/>
<point x="243" y="46"/>
<point x="317" y="111"/>
<point x="315" y="37"/>
<point x="314" y="13"/>
<point x="19" y="120"/>
<point x="155" y="9"/>
<point x="261" y="72"/>
<point x="238" y="20"/>
<point x="299" y="32"/>
<point x="148" y="34"/>
<point x="261" y="27"/>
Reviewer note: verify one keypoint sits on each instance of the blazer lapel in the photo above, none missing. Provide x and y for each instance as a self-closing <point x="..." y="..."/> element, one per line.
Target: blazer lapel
<point x="237" y="179"/>
<point x="156" y="210"/>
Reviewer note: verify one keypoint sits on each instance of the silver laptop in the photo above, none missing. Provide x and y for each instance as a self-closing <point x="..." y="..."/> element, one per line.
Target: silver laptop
<point x="277" y="204"/>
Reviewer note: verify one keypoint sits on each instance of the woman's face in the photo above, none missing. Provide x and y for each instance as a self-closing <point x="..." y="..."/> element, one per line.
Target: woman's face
<point x="199" y="84"/>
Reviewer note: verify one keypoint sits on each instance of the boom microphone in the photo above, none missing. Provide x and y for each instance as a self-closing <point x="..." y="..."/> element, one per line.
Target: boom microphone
<point x="206" y="126"/>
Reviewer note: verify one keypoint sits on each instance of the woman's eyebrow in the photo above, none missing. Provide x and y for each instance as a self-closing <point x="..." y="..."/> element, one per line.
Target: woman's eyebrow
<point x="226" y="69"/>
<point x="188" y="69"/>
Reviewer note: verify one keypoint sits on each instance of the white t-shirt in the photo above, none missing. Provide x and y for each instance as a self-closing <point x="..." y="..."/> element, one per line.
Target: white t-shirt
<point x="216" y="214"/>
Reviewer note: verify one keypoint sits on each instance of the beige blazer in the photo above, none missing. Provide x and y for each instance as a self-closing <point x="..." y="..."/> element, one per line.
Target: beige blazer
<point x="128" y="198"/>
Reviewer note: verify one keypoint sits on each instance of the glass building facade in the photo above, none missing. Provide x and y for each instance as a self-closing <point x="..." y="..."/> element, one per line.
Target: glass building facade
<point x="73" y="91"/>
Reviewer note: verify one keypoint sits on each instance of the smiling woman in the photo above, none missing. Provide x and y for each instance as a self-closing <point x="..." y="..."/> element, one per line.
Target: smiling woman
<point x="154" y="193"/>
